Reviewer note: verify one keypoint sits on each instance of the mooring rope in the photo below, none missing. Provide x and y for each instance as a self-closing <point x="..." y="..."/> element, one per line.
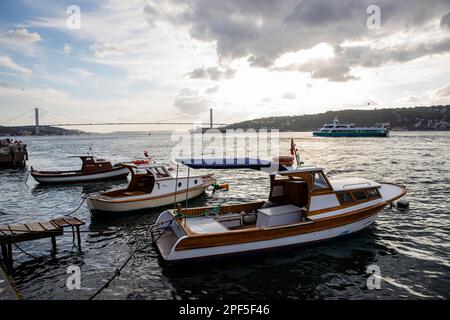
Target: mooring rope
<point x="139" y="248"/>
<point x="23" y="251"/>
<point x="78" y="208"/>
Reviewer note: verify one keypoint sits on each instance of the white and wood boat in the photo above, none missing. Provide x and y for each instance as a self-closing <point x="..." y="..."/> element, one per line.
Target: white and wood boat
<point x="92" y="170"/>
<point x="151" y="186"/>
<point x="304" y="206"/>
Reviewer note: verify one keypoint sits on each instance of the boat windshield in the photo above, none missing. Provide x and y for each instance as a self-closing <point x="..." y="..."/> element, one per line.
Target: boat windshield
<point x="319" y="181"/>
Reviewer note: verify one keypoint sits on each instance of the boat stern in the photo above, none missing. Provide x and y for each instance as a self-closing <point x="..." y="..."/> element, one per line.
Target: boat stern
<point x="166" y="233"/>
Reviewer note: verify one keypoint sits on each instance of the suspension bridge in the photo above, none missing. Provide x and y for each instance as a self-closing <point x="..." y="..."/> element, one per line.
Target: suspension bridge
<point x="84" y="122"/>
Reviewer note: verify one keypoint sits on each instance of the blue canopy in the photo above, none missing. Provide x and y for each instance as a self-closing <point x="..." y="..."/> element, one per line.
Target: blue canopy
<point x="229" y="163"/>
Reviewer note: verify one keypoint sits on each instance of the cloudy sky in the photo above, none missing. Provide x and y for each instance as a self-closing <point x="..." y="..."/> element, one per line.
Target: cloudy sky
<point x="155" y="60"/>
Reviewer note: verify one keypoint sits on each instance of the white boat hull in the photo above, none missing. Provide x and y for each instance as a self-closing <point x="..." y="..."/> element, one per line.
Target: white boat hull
<point x="300" y="239"/>
<point x="71" y="178"/>
<point x="148" y="202"/>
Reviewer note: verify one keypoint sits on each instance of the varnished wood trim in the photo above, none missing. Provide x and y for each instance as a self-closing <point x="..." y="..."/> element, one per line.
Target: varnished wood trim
<point x="260" y="234"/>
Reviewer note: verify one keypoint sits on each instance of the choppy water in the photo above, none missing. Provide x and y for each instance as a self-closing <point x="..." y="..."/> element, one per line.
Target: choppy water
<point x="411" y="247"/>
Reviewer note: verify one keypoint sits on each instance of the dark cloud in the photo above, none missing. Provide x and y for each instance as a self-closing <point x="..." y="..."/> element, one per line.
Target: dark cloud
<point x="211" y="73"/>
<point x="339" y="68"/>
<point x="263" y="30"/>
<point x="445" y="21"/>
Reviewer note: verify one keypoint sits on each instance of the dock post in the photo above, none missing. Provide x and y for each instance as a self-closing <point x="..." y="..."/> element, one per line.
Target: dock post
<point x="53" y="245"/>
<point x="9" y="260"/>
<point x="5" y="256"/>
<point x="4" y="252"/>
<point x="79" y="237"/>
<point x="73" y="235"/>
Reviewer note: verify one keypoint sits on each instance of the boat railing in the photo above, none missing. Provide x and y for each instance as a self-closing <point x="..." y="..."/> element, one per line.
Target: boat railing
<point x="309" y="166"/>
<point x="355" y="184"/>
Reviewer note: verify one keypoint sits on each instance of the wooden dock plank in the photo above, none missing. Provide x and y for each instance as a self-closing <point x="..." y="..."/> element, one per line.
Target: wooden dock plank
<point x="4" y="231"/>
<point x="36" y="230"/>
<point x="47" y="225"/>
<point x="73" y="221"/>
<point x="18" y="228"/>
<point x="35" y="227"/>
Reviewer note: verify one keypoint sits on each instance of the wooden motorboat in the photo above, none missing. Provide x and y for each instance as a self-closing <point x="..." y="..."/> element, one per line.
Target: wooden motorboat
<point x="92" y="170"/>
<point x="304" y="206"/>
<point x="151" y="186"/>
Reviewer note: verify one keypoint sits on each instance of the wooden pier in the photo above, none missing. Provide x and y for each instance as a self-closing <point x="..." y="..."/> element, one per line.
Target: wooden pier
<point x="11" y="234"/>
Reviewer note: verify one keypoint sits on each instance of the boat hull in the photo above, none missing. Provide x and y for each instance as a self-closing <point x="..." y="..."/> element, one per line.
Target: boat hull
<point x="297" y="240"/>
<point x="100" y="207"/>
<point x="192" y="247"/>
<point x="78" y="177"/>
<point x="351" y="134"/>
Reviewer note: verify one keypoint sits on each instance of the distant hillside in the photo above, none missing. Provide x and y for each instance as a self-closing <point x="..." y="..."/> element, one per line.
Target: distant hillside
<point x="30" y="131"/>
<point x="417" y="118"/>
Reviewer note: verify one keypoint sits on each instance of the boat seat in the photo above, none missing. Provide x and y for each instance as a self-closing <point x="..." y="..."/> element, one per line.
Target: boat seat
<point x="205" y="225"/>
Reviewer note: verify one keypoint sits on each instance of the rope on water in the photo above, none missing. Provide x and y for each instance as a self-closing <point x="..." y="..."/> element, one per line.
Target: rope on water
<point x="78" y="208"/>
<point x="23" y="251"/>
<point x="139" y="248"/>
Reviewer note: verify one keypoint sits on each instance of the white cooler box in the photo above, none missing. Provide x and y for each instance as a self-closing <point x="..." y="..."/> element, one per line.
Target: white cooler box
<point x="279" y="215"/>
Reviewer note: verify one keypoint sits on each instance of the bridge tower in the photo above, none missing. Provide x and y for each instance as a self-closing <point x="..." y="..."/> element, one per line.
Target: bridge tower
<point x="210" y="118"/>
<point x="36" y="120"/>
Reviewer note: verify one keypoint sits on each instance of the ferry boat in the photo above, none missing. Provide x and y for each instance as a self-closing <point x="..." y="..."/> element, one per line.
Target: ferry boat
<point x="304" y="206"/>
<point x="152" y="185"/>
<point x="92" y="170"/>
<point x="337" y="129"/>
<point x="13" y="153"/>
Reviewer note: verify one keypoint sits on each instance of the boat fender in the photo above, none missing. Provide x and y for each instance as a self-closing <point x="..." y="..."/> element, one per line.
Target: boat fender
<point x="403" y="204"/>
<point x="222" y="186"/>
<point x="249" y="219"/>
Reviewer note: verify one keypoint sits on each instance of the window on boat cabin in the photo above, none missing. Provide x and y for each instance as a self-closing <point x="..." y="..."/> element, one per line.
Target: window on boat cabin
<point x="160" y="172"/>
<point x="319" y="181"/>
<point x="373" y="193"/>
<point x="344" y="197"/>
<point x="359" y="195"/>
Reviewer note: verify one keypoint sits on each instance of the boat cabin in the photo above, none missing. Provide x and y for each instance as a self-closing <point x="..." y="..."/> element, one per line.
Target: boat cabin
<point x="296" y="195"/>
<point x="297" y="186"/>
<point x="92" y="164"/>
<point x="310" y="189"/>
<point x="143" y="178"/>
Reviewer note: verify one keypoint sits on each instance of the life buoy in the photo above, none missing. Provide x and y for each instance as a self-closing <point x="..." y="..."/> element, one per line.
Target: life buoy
<point x="286" y="160"/>
<point x="141" y="161"/>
